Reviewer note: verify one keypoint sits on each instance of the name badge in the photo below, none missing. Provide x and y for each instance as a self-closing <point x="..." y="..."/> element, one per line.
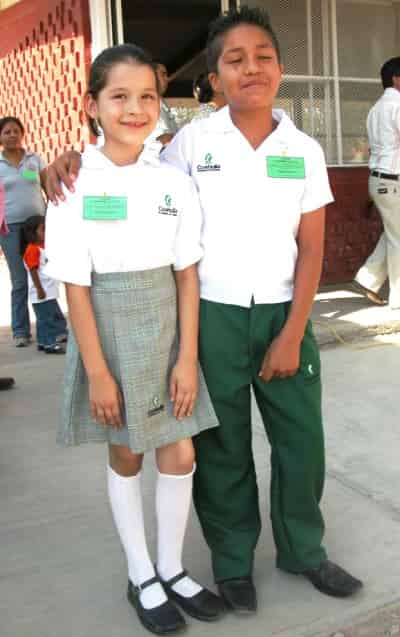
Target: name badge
<point x="30" y="175"/>
<point x="105" y="208"/>
<point x="286" y="167"/>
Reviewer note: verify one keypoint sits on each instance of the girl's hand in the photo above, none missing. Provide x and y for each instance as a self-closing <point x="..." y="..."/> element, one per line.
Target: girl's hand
<point x="184" y="386"/>
<point x="282" y="359"/>
<point x="105" y="401"/>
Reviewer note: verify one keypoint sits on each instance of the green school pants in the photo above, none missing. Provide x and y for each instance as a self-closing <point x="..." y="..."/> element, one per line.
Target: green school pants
<point x="233" y="342"/>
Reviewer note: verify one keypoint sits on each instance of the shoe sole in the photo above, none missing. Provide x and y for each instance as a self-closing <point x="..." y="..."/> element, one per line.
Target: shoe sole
<point x="369" y="294"/>
<point x="150" y="627"/>
<point x="337" y="594"/>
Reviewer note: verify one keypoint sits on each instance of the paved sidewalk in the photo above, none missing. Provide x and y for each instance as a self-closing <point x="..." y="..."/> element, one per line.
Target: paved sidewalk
<point x="62" y="572"/>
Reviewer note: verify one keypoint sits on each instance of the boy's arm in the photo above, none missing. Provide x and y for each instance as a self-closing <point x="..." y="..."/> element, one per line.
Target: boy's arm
<point x="282" y="358"/>
<point x="37" y="283"/>
<point x="104" y="395"/>
<point x="63" y="170"/>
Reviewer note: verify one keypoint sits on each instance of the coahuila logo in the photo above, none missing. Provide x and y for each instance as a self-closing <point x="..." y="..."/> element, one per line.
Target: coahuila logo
<point x="167" y="208"/>
<point x="209" y="165"/>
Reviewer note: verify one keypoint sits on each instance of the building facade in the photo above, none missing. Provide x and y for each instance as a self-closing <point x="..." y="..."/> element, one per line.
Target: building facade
<point x="332" y="52"/>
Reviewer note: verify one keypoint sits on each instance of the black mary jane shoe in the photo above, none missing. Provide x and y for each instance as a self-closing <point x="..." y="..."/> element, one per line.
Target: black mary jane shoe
<point x="239" y="595"/>
<point x="205" y="605"/>
<point x="331" y="579"/>
<point x="161" y="620"/>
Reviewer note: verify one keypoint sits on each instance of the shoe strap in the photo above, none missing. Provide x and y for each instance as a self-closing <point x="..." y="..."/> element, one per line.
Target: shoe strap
<point x="149" y="582"/>
<point x="176" y="578"/>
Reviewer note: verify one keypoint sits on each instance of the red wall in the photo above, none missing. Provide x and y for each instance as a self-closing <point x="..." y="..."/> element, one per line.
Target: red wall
<point x="44" y="57"/>
<point x="352" y="226"/>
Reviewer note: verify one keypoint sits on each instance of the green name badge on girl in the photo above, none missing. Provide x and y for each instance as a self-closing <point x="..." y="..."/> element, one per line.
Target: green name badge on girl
<point x="105" y="208"/>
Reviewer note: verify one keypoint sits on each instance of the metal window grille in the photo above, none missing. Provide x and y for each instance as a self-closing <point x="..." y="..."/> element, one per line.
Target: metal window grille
<point x="333" y="51"/>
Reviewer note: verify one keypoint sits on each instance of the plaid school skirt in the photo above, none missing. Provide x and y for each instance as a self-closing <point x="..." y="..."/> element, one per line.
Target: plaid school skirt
<point x="136" y="317"/>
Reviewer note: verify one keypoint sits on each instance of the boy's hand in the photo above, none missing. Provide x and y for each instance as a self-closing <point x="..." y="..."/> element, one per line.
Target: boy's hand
<point x="64" y="170"/>
<point x="105" y="401"/>
<point x="282" y="359"/>
<point x="184" y="386"/>
<point x="41" y="294"/>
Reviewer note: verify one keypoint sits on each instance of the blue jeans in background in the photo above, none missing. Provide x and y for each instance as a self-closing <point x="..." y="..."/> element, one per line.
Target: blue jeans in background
<point x="10" y="244"/>
<point x="50" y="322"/>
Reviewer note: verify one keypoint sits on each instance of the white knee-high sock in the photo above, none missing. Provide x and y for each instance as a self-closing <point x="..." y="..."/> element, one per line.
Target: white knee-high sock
<point x="126" y="505"/>
<point x="173" y="499"/>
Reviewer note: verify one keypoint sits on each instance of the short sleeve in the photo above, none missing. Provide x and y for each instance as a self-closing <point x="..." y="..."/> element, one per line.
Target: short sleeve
<point x="32" y="256"/>
<point x="178" y="152"/>
<point x="42" y="163"/>
<point x="67" y="250"/>
<point x="188" y="249"/>
<point x="317" y="191"/>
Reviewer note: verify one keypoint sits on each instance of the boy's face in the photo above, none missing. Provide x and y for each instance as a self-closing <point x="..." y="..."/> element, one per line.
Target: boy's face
<point x="249" y="72"/>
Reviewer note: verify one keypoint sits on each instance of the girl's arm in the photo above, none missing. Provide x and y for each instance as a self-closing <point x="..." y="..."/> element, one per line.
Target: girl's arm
<point x="184" y="377"/>
<point x="104" y="395"/>
<point x="282" y="358"/>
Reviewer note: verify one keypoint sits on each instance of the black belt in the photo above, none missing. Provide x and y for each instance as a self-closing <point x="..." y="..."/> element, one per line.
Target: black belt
<point x="375" y="173"/>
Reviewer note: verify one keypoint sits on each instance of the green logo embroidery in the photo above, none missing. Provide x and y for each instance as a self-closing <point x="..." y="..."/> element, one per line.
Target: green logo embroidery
<point x="310" y="369"/>
<point x="168" y="200"/>
<point x="208" y="159"/>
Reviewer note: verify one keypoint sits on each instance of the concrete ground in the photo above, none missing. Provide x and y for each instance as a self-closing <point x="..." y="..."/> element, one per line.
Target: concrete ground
<point x="62" y="572"/>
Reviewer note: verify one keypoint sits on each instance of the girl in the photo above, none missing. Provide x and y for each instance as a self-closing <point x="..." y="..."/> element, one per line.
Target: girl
<point x="51" y="326"/>
<point x="22" y="174"/>
<point x="128" y="382"/>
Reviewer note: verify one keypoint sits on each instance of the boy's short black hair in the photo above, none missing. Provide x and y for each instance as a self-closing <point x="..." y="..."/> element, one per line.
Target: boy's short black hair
<point x="233" y="18"/>
<point x="389" y="70"/>
<point x="202" y="89"/>
<point x="28" y="234"/>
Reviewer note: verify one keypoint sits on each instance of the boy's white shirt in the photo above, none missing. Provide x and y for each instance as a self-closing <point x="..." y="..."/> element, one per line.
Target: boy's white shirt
<point x="250" y="220"/>
<point x="163" y="225"/>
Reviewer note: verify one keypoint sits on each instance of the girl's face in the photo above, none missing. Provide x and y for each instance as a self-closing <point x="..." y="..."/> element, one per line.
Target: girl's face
<point x="249" y="72"/>
<point x="11" y="136"/>
<point x="40" y="233"/>
<point x="128" y="107"/>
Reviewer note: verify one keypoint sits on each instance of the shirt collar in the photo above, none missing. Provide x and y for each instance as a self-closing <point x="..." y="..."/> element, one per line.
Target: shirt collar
<point x="392" y="93"/>
<point x="221" y="122"/>
<point x="95" y="159"/>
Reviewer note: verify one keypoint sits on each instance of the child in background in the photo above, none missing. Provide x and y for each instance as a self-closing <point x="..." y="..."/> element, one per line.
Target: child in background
<point x="51" y="326"/>
<point x="129" y="382"/>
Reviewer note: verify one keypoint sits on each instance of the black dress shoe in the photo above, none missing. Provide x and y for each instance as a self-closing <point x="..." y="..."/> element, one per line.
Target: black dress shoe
<point x="205" y="605"/>
<point x="333" y="580"/>
<point x="239" y="595"/>
<point x="6" y="383"/>
<point x="161" y="620"/>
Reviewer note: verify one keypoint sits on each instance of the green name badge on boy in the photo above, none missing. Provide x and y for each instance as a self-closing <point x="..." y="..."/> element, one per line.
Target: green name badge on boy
<point x="105" y="208"/>
<point x="30" y="175"/>
<point x="286" y="167"/>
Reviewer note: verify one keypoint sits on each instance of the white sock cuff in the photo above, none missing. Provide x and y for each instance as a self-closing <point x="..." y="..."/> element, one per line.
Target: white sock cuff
<point x="178" y="477"/>
<point x="113" y="474"/>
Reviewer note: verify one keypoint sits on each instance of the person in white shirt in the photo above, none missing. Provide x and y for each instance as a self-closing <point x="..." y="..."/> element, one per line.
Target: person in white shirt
<point x="166" y="125"/>
<point x="263" y="187"/>
<point x="128" y="382"/>
<point x="383" y="124"/>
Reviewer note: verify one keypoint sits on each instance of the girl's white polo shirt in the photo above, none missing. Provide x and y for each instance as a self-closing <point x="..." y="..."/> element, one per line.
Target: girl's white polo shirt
<point x="162" y="224"/>
<point x="252" y="202"/>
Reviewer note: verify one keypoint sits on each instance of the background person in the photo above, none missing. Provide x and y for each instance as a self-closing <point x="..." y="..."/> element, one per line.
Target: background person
<point x="51" y="326"/>
<point x="383" y="125"/>
<point x="209" y="100"/>
<point x="22" y="175"/>
<point x="166" y="125"/>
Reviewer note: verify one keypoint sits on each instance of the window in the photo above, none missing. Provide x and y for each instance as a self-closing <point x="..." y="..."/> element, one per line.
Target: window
<point x="333" y="51"/>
